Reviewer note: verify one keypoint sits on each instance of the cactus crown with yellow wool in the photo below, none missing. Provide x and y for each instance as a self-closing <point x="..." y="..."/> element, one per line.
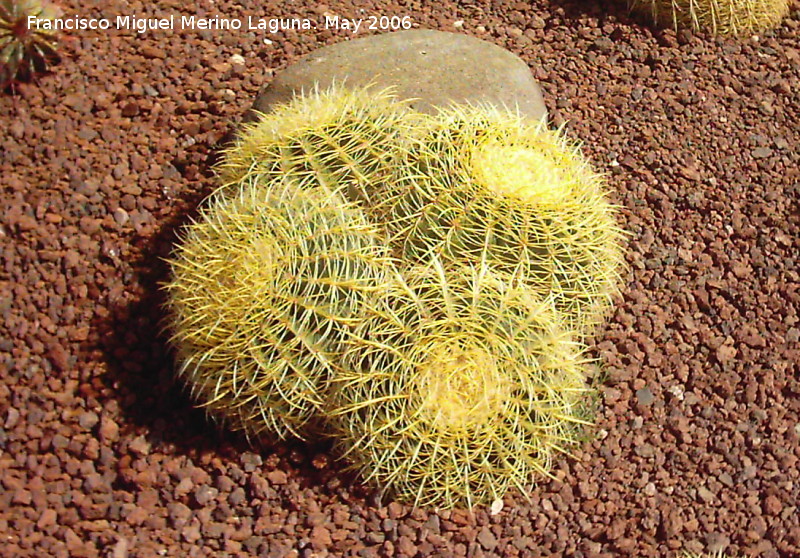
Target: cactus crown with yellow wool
<point x="478" y="181"/>
<point x="458" y="385"/>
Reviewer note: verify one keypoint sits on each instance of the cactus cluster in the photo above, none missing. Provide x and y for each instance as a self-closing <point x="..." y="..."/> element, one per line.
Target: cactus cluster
<point x="719" y="17"/>
<point x="418" y="288"/>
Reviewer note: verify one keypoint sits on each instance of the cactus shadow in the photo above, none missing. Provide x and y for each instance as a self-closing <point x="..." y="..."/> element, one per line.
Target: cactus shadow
<point x="138" y="362"/>
<point x="140" y="374"/>
<point x="616" y="11"/>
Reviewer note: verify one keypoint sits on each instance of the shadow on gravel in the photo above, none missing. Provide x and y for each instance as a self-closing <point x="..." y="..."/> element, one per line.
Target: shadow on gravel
<point x="578" y="9"/>
<point x="141" y="373"/>
<point x="603" y="11"/>
<point x="140" y="368"/>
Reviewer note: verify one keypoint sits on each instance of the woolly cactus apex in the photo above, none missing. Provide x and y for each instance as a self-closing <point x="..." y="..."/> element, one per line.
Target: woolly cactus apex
<point x="336" y="139"/>
<point x="264" y="286"/>
<point x="720" y="17"/>
<point x="456" y="386"/>
<point x="480" y="181"/>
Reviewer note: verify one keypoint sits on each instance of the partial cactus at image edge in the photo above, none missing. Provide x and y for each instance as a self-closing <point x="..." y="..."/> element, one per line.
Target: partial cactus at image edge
<point x="484" y="181"/>
<point x="719" y="17"/>
<point x="264" y="286"/>
<point x="339" y="139"/>
<point x="457" y="386"/>
<point x="26" y="51"/>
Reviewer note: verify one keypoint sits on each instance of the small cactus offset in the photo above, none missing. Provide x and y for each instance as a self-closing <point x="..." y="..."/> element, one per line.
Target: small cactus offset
<point x="483" y="181"/>
<point x="457" y="386"/>
<point x="264" y="286"/>
<point x="719" y="17"/>
<point x="337" y="139"/>
<point x="25" y="51"/>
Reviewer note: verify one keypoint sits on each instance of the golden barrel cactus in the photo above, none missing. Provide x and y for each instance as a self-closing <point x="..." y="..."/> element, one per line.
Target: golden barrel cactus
<point x="458" y="385"/>
<point x="339" y="139"/>
<point x="719" y="17"/>
<point x="264" y="286"/>
<point x="479" y="182"/>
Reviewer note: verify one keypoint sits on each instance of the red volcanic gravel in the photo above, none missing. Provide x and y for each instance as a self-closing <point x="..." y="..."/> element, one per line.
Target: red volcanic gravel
<point x="698" y="433"/>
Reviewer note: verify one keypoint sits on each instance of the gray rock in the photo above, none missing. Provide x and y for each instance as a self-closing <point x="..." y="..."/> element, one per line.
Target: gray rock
<point x="645" y="396"/>
<point x="432" y="67"/>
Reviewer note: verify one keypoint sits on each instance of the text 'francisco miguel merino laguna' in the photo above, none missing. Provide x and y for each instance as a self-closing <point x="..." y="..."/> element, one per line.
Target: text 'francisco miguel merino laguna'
<point x="141" y="25"/>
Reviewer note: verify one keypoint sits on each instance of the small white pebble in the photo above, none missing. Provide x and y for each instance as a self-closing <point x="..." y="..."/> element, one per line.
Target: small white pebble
<point x="677" y="391"/>
<point x="458" y="24"/>
<point x="121" y="216"/>
<point x="497" y="506"/>
<point x="238" y="59"/>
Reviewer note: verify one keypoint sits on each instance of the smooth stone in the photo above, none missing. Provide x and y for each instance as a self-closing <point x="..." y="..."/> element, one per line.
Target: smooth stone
<point x="434" y="68"/>
<point x="645" y="396"/>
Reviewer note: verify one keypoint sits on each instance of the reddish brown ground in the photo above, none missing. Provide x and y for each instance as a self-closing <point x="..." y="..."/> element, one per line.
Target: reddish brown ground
<point x="101" y="454"/>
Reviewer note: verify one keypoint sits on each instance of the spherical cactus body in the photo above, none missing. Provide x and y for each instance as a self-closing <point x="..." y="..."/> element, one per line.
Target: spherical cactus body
<point x="456" y="386"/>
<point x="719" y="17"/>
<point x="265" y="285"/>
<point x="339" y="139"/>
<point x="482" y="183"/>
